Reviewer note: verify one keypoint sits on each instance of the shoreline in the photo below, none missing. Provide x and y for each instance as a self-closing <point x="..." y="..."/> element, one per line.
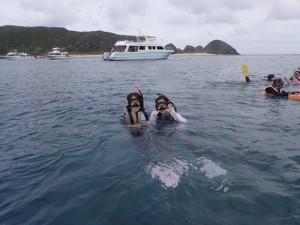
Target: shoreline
<point x="193" y="54"/>
<point x="176" y="54"/>
<point x="101" y="55"/>
<point x="86" y="56"/>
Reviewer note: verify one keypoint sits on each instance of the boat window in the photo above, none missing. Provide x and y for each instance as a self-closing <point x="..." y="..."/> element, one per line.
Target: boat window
<point x="54" y="53"/>
<point x="152" y="38"/>
<point x="141" y="47"/>
<point x="132" y="49"/>
<point x="120" y="48"/>
<point x="160" y="47"/>
<point x="153" y="47"/>
<point x="141" y="39"/>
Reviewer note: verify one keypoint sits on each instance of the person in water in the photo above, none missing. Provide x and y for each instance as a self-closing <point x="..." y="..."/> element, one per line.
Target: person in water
<point x="165" y="110"/>
<point x="271" y="77"/>
<point x="276" y="89"/>
<point x="296" y="76"/>
<point x="134" y="112"/>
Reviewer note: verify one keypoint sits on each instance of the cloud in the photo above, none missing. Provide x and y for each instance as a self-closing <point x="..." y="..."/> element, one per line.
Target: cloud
<point x="217" y="11"/>
<point x="48" y="13"/>
<point x="285" y="11"/>
<point x="194" y="22"/>
<point x="120" y="14"/>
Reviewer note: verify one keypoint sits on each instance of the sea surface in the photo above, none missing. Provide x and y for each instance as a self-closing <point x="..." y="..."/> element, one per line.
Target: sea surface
<point x="65" y="158"/>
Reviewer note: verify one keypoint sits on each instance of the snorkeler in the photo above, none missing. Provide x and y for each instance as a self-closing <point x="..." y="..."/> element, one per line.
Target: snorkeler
<point x="134" y="112"/>
<point x="276" y="89"/>
<point x="271" y="77"/>
<point x="295" y="77"/>
<point x="165" y="110"/>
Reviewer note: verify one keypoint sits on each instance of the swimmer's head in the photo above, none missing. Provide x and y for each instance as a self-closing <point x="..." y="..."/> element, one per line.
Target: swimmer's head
<point x="162" y="102"/>
<point x="297" y="74"/>
<point x="271" y="77"/>
<point x="135" y="101"/>
<point x="161" y="106"/>
<point x="278" y="83"/>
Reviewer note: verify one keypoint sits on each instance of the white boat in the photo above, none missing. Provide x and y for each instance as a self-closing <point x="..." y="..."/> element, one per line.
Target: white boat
<point x="57" y="54"/>
<point x="15" y="55"/>
<point x="145" y="47"/>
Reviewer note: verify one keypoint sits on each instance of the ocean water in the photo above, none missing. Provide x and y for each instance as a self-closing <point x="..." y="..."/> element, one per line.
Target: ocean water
<point x="65" y="158"/>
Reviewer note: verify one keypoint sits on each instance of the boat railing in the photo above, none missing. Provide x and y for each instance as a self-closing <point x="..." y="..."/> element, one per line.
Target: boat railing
<point x="145" y="38"/>
<point x="128" y="42"/>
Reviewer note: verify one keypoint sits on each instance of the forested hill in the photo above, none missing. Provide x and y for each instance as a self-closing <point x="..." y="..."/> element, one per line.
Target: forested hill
<point x="40" y="40"/>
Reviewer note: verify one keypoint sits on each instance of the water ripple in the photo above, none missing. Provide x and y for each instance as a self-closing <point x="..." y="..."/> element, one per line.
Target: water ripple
<point x="65" y="159"/>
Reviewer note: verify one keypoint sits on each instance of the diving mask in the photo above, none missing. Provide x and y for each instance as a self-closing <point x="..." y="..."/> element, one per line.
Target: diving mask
<point x="135" y="104"/>
<point x="162" y="105"/>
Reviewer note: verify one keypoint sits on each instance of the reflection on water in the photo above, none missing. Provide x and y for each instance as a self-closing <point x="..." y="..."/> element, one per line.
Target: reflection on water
<point x="165" y="161"/>
<point x="169" y="173"/>
<point x="210" y="169"/>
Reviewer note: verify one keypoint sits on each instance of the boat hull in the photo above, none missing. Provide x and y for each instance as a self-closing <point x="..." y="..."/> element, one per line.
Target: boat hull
<point x="58" y="57"/>
<point x="16" y="57"/>
<point x="125" y="56"/>
<point x="106" y="56"/>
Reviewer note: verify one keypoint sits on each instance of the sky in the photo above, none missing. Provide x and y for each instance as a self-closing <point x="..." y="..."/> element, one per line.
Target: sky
<point x="250" y="26"/>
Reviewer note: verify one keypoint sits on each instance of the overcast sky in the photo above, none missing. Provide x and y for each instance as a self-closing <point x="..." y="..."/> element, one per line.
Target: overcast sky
<point x="250" y="26"/>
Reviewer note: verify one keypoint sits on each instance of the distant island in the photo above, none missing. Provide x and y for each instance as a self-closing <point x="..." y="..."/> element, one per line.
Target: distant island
<point x="213" y="47"/>
<point x="40" y="40"/>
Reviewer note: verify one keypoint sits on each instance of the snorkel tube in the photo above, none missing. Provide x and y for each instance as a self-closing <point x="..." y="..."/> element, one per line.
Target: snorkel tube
<point x="139" y="90"/>
<point x="142" y="97"/>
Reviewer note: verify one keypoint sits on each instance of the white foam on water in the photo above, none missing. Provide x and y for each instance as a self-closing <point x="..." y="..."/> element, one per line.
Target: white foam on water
<point x="223" y="187"/>
<point x="210" y="168"/>
<point x="168" y="173"/>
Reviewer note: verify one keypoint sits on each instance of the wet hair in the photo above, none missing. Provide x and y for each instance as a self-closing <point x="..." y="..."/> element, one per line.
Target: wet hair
<point x="270" y="77"/>
<point x="162" y="97"/>
<point x="278" y="83"/>
<point x="134" y="94"/>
